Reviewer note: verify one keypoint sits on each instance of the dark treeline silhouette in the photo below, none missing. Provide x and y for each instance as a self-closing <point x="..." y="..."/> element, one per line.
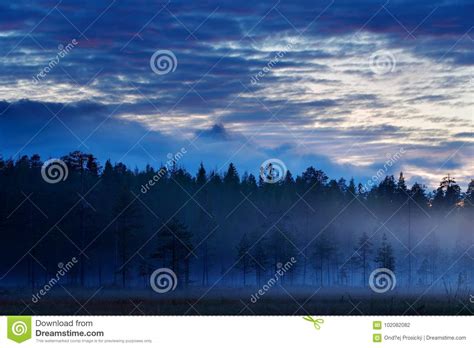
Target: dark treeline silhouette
<point x="227" y="229"/>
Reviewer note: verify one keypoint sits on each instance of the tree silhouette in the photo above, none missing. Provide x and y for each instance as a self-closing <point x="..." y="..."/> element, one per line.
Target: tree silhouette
<point x="244" y="262"/>
<point x="362" y="255"/>
<point x="200" y="225"/>
<point x="126" y="226"/>
<point x="385" y="257"/>
<point x="260" y="259"/>
<point x="448" y="194"/>
<point x="175" y="249"/>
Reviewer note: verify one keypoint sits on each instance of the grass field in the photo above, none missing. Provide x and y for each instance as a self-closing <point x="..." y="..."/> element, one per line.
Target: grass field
<point x="219" y="301"/>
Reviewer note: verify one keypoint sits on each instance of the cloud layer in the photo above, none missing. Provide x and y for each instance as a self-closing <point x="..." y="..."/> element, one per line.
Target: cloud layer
<point x="338" y="85"/>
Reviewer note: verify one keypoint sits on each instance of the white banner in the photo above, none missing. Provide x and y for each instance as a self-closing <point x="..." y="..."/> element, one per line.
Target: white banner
<point x="237" y="331"/>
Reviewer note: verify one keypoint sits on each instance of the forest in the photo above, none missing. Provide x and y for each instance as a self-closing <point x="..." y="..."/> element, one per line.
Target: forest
<point x="225" y="234"/>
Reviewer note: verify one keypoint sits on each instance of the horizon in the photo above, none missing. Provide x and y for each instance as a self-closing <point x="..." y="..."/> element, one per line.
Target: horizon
<point x="179" y="157"/>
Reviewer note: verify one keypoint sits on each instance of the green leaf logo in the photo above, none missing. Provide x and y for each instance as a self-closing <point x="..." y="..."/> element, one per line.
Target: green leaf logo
<point x="19" y="328"/>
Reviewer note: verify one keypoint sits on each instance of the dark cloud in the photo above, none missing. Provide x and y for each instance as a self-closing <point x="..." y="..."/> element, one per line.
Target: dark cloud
<point x="464" y="135"/>
<point x="429" y="98"/>
<point x="28" y="127"/>
<point x="216" y="132"/>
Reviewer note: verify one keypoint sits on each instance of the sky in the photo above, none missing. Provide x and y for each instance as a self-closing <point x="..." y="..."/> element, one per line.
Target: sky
<point x="354" y="88"/>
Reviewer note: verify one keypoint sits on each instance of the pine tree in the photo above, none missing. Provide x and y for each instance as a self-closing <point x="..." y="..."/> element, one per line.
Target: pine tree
<point x="418" y="194"/>
<point x="312" y="177"/>
<point x="423" y="272"/>
<point x="92" y="165"/>
<point x="385" y="258"/>
<point x="362" y="255"/>
<point x="401" y="185"/>
<point x="448" y="193"/>
<point x="244" y="262"/>
<point x="259" y="259"/>
<point x="175" y="249"/>
<point x="126" y="225"/>
<point x="351" y="190"/>
<point x="201" y="176"/>
<point x="401" y="190"/>
<point x="323" y="249"/>
<point x="231" y="177"/>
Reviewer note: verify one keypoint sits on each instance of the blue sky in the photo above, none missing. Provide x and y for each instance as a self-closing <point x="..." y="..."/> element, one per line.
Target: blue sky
<point x="340" y="85"/>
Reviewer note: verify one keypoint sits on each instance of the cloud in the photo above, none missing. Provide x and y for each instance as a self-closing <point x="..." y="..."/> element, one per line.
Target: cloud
<point x="217" y="132"/>
<point x="320" y="102"/>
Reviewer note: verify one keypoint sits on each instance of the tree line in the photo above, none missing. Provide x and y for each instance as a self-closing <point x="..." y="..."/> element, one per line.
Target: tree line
<point x="227" y="228"/>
